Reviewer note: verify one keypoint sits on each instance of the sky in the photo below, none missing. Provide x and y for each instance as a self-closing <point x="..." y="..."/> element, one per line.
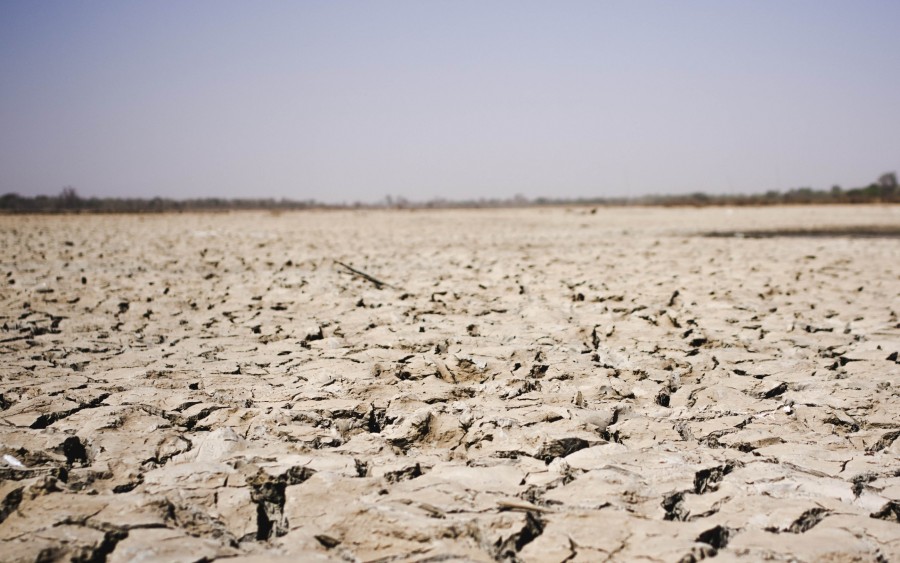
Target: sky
<point x="354" y="101"/>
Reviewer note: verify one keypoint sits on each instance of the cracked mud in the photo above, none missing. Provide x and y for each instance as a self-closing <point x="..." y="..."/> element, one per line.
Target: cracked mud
<point x="521" y="385"/>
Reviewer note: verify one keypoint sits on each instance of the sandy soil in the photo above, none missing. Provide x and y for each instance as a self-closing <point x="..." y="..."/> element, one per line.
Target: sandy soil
<point x="526" y="385"/>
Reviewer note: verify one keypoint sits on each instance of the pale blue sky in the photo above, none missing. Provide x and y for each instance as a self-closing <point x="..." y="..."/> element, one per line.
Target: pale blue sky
<point x="344" y="101"/>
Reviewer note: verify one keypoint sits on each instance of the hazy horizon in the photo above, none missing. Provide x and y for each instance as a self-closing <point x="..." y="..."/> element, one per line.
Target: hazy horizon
<point x="343" y="102"/>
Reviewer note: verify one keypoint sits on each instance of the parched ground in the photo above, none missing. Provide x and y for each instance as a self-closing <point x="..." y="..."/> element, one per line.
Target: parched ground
<point x="518" y="385"/>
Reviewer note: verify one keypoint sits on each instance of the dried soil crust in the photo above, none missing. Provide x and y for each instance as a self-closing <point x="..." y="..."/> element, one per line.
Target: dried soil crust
<point x="524" y="385"/>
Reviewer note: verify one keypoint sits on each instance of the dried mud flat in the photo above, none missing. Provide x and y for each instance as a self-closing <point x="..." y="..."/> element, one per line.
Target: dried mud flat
<point x="525" y="385"/>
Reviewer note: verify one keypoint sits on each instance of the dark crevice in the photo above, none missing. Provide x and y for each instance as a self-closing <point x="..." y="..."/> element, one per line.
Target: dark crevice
<point x="885" y="441"/>
<point x="327" y="542"/>
<point x="805" y="522"/>
<point x="698" y="554"/>
<point x="707" y="480"/>
<point x="560" y="448"/>
<point x="363" y="468"/>
<point x="573" y="551"/>
<point x="10" y="503"/>
<point x="890" y="512"/>
<point x="612" y="436"/>
<point x="717" y="537"/>
<point x="129" y="486"/>
<point x="507" y="550"/>
<point x="662" y="399"/>
<point x="375" y="421"/>
<point x="47" y="419"/>
<point x="110" y="540"/>
<point x="190" y="422"/>
<point x="848" y="425"/>
<point x="267" y="492"/>
<point x="775" y="391"/>
<point x="859" y="482"/>
<point x="16" y="474"/>
<point x="674" y="507"/>
<point x="74" y="451"/>
<point x="405" y="474"/>
<point x="264" y="522"/>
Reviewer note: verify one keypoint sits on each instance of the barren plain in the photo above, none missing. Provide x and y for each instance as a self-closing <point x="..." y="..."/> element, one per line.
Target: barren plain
<point x="540" y="385"/>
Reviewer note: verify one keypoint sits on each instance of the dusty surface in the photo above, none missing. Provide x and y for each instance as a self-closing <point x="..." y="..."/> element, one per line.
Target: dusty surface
<point x="539" y="385"/>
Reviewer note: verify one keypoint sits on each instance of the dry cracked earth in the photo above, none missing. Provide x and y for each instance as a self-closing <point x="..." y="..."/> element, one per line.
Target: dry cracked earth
<point x="539" y="385"/>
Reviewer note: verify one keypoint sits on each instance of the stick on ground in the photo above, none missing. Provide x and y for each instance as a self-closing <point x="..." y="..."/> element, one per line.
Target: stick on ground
<point x="378" y="283"/>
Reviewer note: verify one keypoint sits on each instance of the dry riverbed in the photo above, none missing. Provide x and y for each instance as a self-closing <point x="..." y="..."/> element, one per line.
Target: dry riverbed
<point x="487" y="385"/>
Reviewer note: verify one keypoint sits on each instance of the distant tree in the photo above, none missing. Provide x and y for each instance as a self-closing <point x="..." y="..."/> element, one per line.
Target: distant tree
<point x="888" y="184"/>
<point x="11" y="202"/>
<point x="69" y="193"/>
<point x="69" y="198"/>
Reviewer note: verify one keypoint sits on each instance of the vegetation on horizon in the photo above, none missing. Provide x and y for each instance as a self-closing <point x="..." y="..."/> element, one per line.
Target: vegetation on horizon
<point x="885" y="190"/>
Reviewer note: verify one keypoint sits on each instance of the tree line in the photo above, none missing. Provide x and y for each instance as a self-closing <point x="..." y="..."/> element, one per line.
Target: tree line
<point x="884" y="190"/>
